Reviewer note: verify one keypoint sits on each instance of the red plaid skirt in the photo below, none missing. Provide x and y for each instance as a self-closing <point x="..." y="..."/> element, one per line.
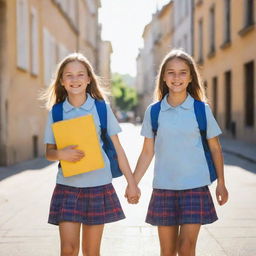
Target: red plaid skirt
<point x="177" y="207"/>
<point x="90" y="206"/>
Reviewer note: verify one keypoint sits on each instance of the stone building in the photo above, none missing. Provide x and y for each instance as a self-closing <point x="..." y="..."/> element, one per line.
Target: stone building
<point x="34" y="37"/>
<point x="225" y="40"/>
<point x="157" y="37"/>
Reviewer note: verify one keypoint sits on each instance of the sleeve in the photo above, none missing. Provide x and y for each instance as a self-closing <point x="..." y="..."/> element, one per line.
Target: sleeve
<point x="113" y="126"/>
<point x="146" y="129"/>
<point x="48" y="135"/>
<point x="213" y="128"/>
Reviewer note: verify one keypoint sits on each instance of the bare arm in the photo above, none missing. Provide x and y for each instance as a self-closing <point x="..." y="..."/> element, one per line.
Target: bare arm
<point x="145" y="159"/>
<point x="221" y="191"/>
<point x="132" y="190"/>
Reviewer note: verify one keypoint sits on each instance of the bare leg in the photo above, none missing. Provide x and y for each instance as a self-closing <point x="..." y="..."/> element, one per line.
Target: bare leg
<point x="69" y="238"/>
<point x="92" y="235"/>
<point x="168" y="240"/>
<point x="187" y="239"/>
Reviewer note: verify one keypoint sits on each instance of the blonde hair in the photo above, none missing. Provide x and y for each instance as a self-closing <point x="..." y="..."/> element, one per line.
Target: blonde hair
<point x="56" y="93"/>
<point x="195" y="87"/>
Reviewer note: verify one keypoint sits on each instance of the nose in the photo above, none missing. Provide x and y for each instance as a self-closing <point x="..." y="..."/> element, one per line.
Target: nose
<point x="176" y="76"/>
<point x="75" y="78"/>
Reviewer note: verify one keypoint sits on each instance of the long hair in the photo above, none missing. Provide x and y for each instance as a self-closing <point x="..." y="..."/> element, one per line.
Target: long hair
<point x="56" y="93"/>
<point x="195" y="87"/>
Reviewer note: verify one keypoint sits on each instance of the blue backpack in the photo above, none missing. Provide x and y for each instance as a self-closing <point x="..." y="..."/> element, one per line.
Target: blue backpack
<point x="199" y="108"/>
<point x="108" y="147"/>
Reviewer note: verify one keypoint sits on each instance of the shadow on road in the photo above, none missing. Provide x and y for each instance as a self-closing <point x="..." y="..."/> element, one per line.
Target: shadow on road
<point x="35" y="164"/>
<point x="230" y="159"/>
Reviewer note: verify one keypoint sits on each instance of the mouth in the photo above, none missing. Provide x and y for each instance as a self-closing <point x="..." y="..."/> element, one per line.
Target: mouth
<point x="176" y="84"/>
<point x="75" y="86"/>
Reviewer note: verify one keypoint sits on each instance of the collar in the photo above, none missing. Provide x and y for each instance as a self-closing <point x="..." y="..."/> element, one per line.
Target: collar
<point x="86" y="106"/>
<point x="187" y="104"/>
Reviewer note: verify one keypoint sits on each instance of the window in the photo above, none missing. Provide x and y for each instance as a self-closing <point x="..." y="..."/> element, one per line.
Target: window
<point x="186" y="8"/>
<point x="62" y="52"/>
<point x="200" y="41"/>
<point x="22" y="29"/>
<point x="91" y="6"/>
<point x="34" y="41"/>
<point x="249" y="94"/>
<point x="248" y="17"/>
<point x="50" y="56"/>
<point x="227" y="22"/>
<point x="183" y="10"/>
<point x="186" y="43"/>
<point x="215" y="95"/>
<point x="72" y="12"/>
<point x="212" y="31"/>
<point x="199" y="2"/>
<point x="64" y="5"/>
<point x="35" y="145"/>
<point x="47" y="68"/>
<point x="249" y="11"/>
<point x="180" y="44"/>
<point x="228" y="100"/>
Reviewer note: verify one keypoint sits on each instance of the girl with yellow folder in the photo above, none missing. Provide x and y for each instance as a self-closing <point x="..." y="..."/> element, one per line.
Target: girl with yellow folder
<point x="86" y="200"/>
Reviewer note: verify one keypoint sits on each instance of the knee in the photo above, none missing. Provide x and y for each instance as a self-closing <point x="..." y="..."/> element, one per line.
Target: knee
<point x="170" y="252"/>
<point x="167" y="254"/>
<point x="88" y="252"/>
<point x="186" y="247"/>
<point x="69" y="250"/>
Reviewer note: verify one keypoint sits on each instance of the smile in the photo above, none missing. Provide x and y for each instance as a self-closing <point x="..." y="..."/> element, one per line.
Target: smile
<point x="75" y="86"/>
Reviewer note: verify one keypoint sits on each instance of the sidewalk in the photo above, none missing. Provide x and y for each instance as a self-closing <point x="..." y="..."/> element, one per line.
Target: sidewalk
<point x="239" y="148"/>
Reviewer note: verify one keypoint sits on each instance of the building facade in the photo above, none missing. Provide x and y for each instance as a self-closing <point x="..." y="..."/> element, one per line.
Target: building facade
<point x="35" y="36"/>
<point x="183" y="25"/>
<point x="221" y="36"/>
<point x="225" y="40"/>
<point x="157" y="43"/>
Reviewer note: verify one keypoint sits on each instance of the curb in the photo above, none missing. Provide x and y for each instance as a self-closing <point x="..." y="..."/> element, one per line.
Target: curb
<point x="239" y="155"/>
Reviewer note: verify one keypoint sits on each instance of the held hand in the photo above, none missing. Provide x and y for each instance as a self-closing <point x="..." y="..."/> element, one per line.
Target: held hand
<point x="132" y="193"/>
<point x="221" y="194"/>
<point x="71" y="154"/>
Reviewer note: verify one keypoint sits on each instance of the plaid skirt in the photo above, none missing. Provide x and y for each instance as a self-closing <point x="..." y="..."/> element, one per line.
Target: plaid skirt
<point x="177" y="207"/>
<point x="89" y="206"/>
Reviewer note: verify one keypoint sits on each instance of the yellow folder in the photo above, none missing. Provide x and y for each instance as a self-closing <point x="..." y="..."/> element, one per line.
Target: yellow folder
<point x="79" y="131"/>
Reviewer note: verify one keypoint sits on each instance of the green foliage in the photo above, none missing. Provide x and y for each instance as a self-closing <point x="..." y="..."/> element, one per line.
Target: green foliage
<point x="125" y="97"/>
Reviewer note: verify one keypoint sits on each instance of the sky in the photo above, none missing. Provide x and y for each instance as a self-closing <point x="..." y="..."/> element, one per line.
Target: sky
<point x="123" y="22"/>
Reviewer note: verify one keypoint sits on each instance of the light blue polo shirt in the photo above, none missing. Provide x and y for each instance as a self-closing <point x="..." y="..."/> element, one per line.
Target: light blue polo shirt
<point x="180" y="162"/>
<point x="94" y="178"/>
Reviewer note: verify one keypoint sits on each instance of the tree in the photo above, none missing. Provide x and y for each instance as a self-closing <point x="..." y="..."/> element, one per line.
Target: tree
<point x="125" y="97"/>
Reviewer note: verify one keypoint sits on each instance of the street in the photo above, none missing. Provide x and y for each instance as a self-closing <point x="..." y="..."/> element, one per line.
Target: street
<point x="25" y="197"/>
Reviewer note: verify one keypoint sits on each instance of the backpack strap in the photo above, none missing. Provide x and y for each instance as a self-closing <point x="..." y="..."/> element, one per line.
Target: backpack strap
<point x="108" y="146"/>
<point x="199" y="108"/>
<point x="154" y="113"/>
<point x="57" y="115"/>
<point x="102" y="113"/>
<point x="57" y="112"/>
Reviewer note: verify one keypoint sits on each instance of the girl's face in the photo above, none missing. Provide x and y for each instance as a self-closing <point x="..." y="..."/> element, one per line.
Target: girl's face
<point x="177" y="75"/>
<point x="75" y="78"/>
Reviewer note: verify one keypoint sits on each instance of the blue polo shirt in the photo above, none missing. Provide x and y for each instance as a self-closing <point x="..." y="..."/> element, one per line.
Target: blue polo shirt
<point x="94" y="178"/>
<point x="180" y="162"/>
